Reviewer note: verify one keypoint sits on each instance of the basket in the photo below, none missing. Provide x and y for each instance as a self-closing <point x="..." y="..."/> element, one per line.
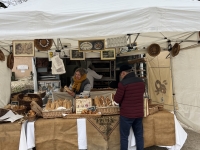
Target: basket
<point x="111" y="110"/>
<point x="75" y="116"/>
<point x="3" y="111"/>
<point x="27" y="103"/>
<point x="30" y="119"/>
<point x="153" y="108"/>
<point x="55" y="113"/>
<point x="21" y="111"/>
<point x="42" y="94"/>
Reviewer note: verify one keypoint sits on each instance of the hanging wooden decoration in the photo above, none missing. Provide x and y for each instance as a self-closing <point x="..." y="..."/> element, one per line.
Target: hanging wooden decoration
<point x="175" y="50"/>
<point x="154" y="50"/>
<point x="10" y="61"/>
<point x="43" y="44"/>
<point x="2" y="56"/>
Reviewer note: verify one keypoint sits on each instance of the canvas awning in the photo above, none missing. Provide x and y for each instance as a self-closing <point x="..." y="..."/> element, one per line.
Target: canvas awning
<point x="92" y="18"/>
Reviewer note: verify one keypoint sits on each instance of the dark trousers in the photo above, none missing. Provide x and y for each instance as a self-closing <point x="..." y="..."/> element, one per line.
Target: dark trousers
<point x="137" y="126"/>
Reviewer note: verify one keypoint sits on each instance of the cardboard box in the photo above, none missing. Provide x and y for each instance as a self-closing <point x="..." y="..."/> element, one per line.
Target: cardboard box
<point x="83" y="103"/>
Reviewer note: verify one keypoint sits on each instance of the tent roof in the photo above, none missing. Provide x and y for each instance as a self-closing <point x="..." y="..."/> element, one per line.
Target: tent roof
<point x="93" y="18"/>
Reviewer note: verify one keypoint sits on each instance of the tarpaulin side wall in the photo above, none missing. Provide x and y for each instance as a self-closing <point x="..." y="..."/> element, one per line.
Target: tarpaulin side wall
<point x="159" y="80"/>
<point x="186" y="81"/>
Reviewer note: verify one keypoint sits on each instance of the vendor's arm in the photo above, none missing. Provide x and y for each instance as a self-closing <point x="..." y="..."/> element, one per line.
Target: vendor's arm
<point x="96" y="76"/>
<point x="119" y="94"/>
<point x="87" y="87"/>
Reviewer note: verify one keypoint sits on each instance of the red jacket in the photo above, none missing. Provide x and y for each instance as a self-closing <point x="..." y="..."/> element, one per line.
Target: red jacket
<point x="129" y="95"/>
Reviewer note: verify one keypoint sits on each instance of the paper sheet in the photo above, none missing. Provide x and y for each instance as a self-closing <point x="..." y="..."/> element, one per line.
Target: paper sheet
<point x="10" y="116"/>
<point x="57" y="65"/>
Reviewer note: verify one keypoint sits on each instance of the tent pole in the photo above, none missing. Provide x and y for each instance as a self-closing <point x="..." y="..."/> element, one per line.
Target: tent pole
<point x="172" y="87"/>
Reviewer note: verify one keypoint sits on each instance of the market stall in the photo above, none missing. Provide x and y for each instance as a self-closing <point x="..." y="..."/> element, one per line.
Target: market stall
<point x="92" y="21"/>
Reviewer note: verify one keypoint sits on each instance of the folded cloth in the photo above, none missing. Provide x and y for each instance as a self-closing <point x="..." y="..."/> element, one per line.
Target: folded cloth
<point x="22" y="142"/>
<point x="30" y="133"/>
<point x="82" y="137"/>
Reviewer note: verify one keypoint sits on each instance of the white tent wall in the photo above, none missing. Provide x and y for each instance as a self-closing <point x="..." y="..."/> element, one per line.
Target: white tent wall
<point x="186" y="82"/>
<point x="5" y="80"/>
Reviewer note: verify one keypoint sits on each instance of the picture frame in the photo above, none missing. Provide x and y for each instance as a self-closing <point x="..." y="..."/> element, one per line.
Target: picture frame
<point x="108" y="54"/>
<point x="91" y="45"/>
<point x="15" y="103"/>
<point x="23" y="48"/>
<point x="52" y="53"/>
<point x="77" y="55"/>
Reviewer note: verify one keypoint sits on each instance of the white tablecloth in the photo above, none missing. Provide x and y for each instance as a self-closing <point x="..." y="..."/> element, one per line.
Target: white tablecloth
<point x="27" y="137"/>
<point x="180" y="134"/>
<point x="29" y="142"/>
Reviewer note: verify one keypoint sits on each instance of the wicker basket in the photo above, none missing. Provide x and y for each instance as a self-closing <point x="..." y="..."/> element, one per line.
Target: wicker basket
<point x="3" y="111"/>
<point x="75" y="116"/>
<point x="27" y="103"/>
<point x="111" y="110"/>
<point x="30" y="119"/>
<point x="42" y="94"/>
<point x="55" y="113"/>
<point x="21" y="111"/>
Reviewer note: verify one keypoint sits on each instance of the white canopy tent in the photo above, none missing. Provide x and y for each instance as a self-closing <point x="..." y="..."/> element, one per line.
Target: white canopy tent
<point x="93" y="18"/>
<point x="76" y="19"/>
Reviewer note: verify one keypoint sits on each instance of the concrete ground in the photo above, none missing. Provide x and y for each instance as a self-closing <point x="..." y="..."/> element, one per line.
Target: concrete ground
<point x="192" y="142"/>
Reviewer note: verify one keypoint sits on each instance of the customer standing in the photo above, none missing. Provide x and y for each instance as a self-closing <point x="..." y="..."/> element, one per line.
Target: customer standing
<point x="129" y="96"/>
<point x="91" y="75"/>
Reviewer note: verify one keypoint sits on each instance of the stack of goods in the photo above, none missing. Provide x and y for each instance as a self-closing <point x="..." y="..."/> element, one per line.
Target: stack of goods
<point x="20" y="109"/>
<point x="106" y="105"/>
<point x="54" y="109"/>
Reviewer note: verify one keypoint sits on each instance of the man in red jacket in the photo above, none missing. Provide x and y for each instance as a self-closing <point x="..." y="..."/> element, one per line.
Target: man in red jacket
<point x="129" y="96"/>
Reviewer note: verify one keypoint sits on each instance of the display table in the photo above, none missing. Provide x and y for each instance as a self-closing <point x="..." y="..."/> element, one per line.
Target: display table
<point x="102" y="133"/>
<point x="9" y="136"/>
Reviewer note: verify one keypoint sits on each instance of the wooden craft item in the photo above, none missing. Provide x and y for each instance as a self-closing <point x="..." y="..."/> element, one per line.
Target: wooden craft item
<point x="154" y="50"/>
<point x="175" y="50"/>
<point x="2" y="56"/>
<point x="10" y="61"/>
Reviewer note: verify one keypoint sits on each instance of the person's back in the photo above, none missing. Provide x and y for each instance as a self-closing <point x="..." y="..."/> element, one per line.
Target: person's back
<point x="91" y="75"/>
<point x="132" y="104"/>
<point x="129" y="95"/>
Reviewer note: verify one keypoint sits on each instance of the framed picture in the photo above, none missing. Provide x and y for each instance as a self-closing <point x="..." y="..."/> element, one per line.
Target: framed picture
<point x="24" y="48"/>
<point x="91" y="45"/>
<point x="15" y="103"/>
<point x="77" y="55"/>
<point x="52" y="53"/>
<point x="108" y="54"/>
